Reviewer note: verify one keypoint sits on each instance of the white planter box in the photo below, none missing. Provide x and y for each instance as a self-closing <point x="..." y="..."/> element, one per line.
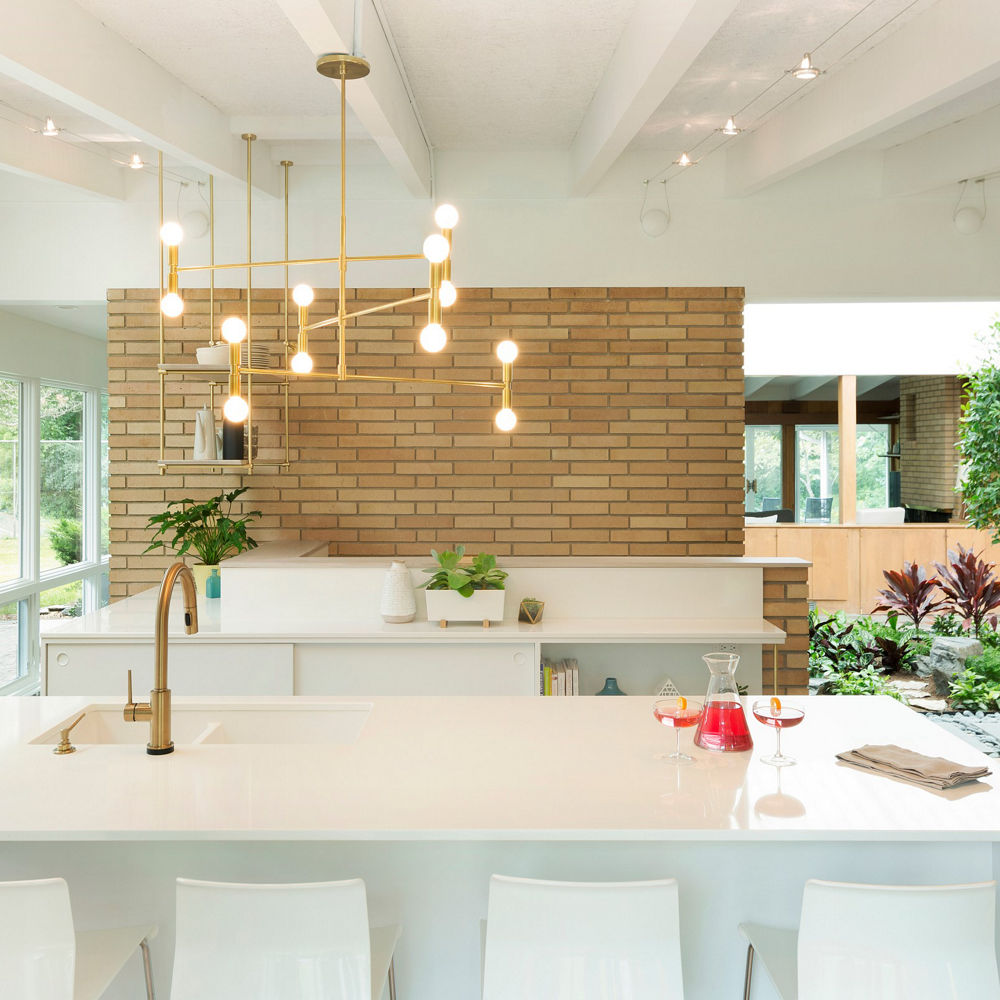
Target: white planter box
<point x="450" y="606"/>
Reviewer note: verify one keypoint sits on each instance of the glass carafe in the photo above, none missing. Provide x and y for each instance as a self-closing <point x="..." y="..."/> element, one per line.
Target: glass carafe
<point x="723" y="725"/>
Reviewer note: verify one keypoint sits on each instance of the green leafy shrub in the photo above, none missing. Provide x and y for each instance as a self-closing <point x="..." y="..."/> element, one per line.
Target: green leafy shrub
<point x="948" y="624"/>
<point x="978" y="686"/>
<point x="449" y="574"/>
<point x="867" y="680"/>
<point x="66" y="539"/>
<point x="835" y="645"/>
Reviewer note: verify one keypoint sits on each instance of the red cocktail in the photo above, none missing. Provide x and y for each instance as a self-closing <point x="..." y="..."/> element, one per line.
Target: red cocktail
<point x="772" y="713"/>
<point x="678" y="713"/>
<point x="724" y="727"/>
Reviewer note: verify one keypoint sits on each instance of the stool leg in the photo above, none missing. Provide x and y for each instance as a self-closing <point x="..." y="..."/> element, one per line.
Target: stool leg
<point x="392" y="979"/>
<point x="147" y="970"/>
<point x="748" y="974"/>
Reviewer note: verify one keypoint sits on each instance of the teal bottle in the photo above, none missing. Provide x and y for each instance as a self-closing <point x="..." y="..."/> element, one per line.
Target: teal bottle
<point x="611" y="686"/>
<point x="213" y="585"/>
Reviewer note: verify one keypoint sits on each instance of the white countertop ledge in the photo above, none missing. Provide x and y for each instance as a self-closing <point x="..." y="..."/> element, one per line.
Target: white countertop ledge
<point x="487" y="769"/>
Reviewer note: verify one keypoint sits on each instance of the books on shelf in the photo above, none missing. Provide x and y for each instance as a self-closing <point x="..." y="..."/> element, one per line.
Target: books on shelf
<point x="559" y="677"/>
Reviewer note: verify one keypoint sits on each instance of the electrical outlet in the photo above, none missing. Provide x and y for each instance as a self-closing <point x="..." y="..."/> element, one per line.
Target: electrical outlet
<point x="726" y="647"/>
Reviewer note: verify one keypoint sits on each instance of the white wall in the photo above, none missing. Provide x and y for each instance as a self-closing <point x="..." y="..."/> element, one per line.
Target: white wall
<point x="42" y="351"/>
<point x="826" y="235"/>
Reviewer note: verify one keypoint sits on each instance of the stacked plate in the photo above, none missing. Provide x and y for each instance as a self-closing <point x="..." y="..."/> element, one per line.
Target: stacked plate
<point x="261" y="356"/>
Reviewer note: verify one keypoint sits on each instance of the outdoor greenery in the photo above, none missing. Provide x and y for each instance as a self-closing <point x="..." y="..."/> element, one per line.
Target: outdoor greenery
<point x="979" y="443"/>
<point x="207" y="527"/>
<point x="449" y="574"/>
<point x="66" y="539"/>
<point x="978" y="686"/>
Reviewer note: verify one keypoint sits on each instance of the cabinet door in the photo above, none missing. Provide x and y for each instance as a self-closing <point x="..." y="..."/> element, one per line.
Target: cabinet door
<point x="416" y="668"/>
<point x="194" y="668"/>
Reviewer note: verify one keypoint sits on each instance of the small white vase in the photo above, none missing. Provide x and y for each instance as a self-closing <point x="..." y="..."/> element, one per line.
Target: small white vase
<point x="399" y="603"/>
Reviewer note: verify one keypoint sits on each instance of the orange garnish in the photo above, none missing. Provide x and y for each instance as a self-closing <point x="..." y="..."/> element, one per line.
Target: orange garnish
<point x="776" y="705"/>
<point x="682" y="703"/>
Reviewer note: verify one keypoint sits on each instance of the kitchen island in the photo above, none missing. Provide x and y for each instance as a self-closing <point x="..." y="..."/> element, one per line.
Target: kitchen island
<point x="426" y="797"/>
<point x="293" y="620"/>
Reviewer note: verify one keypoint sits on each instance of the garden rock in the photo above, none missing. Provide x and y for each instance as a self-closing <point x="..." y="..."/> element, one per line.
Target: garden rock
<point x="929" y="704"/>
<point x="948" y="655"/>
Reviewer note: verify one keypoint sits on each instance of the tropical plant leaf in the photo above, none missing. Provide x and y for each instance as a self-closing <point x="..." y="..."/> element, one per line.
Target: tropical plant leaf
<point x="910" y="593"/>
<point x="971" y="586"/>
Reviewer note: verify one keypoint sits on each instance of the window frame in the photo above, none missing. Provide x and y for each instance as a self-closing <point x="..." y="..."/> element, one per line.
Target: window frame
<point x="29" y="586"/>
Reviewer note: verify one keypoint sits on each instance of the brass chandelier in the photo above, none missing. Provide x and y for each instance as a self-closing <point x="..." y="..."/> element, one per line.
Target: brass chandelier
<point x="441" y="293"/>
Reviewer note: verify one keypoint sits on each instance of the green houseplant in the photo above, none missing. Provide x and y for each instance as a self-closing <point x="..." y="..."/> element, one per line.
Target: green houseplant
<point x="464" y="592"/>
<point x="208" y="527"/>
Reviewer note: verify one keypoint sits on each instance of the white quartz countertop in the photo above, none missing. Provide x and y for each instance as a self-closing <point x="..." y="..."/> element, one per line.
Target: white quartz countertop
<point x="489" y="769"/>
<point x="133" y="618"/>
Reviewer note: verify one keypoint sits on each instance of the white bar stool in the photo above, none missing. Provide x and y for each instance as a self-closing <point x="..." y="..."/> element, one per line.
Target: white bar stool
<point x="42" y="957"/>
<point x="582" y="940"/>
<point x="882" y="942"/>
<point x="257" y="942"/>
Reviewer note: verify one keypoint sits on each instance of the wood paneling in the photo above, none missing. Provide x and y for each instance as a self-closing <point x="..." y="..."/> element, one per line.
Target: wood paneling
<point x="848" y="560"/>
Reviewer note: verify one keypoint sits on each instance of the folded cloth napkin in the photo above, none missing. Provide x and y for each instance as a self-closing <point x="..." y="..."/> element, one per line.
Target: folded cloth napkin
<point x="932" y="772"/>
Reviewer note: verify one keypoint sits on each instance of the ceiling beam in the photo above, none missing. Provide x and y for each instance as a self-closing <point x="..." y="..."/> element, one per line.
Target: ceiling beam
<point x="380" y="101"/>
<point x="656" y="49"/>
<point x="83" y="64"/>
<point x="965" y="149"/>
<point x="754" y="386"/>
<point x="816" y="387"/>
<point x="32" y="155"/>
<point x="947" y="51"/>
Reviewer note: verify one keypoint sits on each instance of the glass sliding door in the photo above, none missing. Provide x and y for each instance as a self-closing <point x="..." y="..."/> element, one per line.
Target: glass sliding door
<point x="10" y="479"/>
<point x="817" y="473"/>
<point x="873" y="466"/>
<point x="763" y="466"/>
<point x="61" y="473"/>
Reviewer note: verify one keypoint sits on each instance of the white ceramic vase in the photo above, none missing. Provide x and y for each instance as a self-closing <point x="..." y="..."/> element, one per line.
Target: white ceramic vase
<point x="399" y="603"/>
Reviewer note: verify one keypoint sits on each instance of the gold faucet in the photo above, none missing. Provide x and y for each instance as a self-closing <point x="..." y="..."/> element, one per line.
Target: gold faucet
<point x="157" y="710"/>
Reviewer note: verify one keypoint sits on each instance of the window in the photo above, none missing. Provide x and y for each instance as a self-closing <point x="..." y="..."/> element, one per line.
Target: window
<point x="53" y="515"/>
<point x="763" y="466"/>
<point x="817" y="482"/>
<point x="873" y="466"/>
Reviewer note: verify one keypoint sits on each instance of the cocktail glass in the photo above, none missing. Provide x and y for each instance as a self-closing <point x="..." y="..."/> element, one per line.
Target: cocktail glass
<point x="678" y="713"/>
<point x="772" y="713"/>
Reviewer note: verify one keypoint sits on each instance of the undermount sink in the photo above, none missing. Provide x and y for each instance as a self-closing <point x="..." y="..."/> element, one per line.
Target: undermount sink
<point x="204" y="724"/>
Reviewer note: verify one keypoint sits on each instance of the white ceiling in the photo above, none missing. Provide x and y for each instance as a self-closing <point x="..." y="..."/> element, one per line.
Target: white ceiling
<point x="88" y="318"/>
<point x="743" y="68"/>
<point x="505" y="74"/>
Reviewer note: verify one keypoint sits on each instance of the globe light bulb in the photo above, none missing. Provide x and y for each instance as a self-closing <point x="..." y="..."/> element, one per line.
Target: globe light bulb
<point x="506" y="419"/>
<point x="446" y="216"/>
<point x="968" y="220"/>
<point x="233" y="330"/>
<point x="236" y="409"/>
<point x="303" y="295"/>
<point x="171" y="234"/>
<point x="302" y="363"/>
<point x="507" y="351"/>
<point x="433" y="337"/>
<point x="447" y="294"/>
<point x="436" y="248"/>
<point x="654" y="221"/>
<point x="171" y="305"/>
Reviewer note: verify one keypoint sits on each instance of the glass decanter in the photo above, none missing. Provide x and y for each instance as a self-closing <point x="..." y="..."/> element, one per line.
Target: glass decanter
<point x="723" y="724"/>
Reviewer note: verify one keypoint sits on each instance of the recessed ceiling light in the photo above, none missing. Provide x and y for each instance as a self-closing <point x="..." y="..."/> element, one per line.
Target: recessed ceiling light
<point x="50" y="128"/>
<point x="805" y="69"/>
<point x="684" y="161"/>
<point x="729" y="128"/>
<point x="136" y="162"/>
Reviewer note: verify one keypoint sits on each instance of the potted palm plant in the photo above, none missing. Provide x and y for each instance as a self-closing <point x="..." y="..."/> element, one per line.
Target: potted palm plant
<point x="465" y="593"/>
<point x="209" y="528"/>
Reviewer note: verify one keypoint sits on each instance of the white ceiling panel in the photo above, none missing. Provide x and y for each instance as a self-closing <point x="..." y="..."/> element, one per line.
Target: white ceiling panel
<point x="505" y="74"/>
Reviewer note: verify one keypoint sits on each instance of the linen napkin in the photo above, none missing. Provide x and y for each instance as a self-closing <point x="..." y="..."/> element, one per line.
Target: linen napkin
<point x="898" y="762"/>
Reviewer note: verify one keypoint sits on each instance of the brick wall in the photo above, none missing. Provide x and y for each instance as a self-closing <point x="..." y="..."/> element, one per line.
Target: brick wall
<point x="786" y="604"/>
<point x="930" y="407"/>
<point x="629" y="440"/>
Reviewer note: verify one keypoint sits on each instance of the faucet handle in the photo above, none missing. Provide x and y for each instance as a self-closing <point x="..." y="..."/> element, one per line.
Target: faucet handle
<point x="130" y="687"/>
<point x="65" y="746"/>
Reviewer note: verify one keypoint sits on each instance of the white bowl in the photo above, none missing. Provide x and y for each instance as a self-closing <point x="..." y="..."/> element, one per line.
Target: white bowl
<point x="217" y="356"/>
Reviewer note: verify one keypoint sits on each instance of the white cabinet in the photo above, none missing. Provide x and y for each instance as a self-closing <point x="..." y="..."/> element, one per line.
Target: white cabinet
<point x="99" y="668"/>
<point x="416" y="668"/>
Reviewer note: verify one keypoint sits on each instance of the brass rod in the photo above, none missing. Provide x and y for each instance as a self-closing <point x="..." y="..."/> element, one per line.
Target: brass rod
<point x="163" y="411"/>
<point x="301" y="260"/>
<point x="341" y="331"/>
<point x="249" y="137"/>
<point x="364" y="312"/>
<point x="211" y="254"/>
<point x="353" y="376"/>
<point x="286" y="164"/>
